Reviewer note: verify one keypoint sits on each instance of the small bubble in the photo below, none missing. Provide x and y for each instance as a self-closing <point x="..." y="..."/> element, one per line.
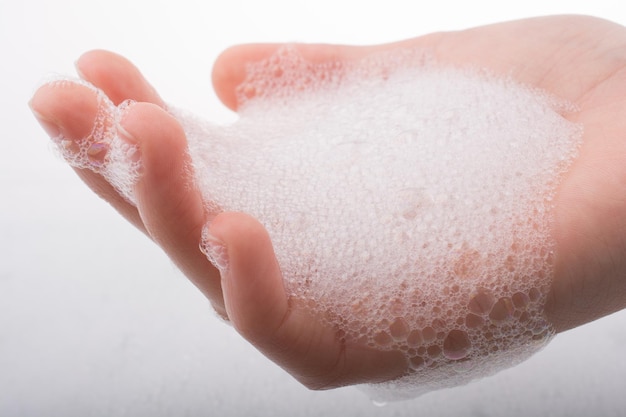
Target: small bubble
<point x="277" y="71"/>
<point x="534" y="294"/>
<point x="438" y="324"/>
<point x="467" y="264"/>
<point x="416" y="362"/>
<point x="520" y="300"/>
<point x="428" y="334"/>
<point x="502" y="310"/>
<point x="481" y="302"/>
<point x="473" y="321"/>
<point x="509" y="263"/>
<point x="249" y="92"/>
<point x="69" y="145"/>
<point x="414" y="338"/>
<point x="434" y="351"/>
<point x="379" y="403"/>
<point x="399" y="328"/>
<point x="397" y="306"/>
<point x="524" y="317"/>
<point x="456" y="345"/>
<point x="97" y="152"/>
<point x="383" y="338"/>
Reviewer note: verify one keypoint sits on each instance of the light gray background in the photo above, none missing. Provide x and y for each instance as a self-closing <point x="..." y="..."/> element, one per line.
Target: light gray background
<point x="94" y="319"/>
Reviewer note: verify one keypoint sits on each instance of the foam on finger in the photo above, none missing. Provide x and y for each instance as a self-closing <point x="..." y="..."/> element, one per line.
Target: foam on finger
<point x="103" y="150"/>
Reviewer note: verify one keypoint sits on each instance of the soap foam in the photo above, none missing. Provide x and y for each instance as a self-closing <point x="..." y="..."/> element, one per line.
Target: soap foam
<point x="102" y="150"/>
<point x="410" y="202"/>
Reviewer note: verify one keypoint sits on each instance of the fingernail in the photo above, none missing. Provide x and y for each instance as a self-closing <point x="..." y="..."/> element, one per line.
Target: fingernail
<point x="215" y="250"/>
<point x="51" y="128"/>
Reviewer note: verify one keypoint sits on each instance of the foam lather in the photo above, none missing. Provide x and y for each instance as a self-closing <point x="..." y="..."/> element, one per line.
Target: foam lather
<point x="410" y="202"/>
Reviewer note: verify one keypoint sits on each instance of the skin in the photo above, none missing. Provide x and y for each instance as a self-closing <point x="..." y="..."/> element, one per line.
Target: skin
<point x="580" y="59"/>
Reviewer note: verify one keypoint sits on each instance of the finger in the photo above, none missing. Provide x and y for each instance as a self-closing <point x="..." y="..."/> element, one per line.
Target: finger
<point x="117" y="77"/>
<point x="69" y="109"/>
<point x="168" y="200"/>
<point x="509" y="48"/>
<point x="229" y="70"/>
<point x="284" y="330"/>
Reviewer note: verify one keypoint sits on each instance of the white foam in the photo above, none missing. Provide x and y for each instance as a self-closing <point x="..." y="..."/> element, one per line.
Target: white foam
<point x="102" y="150"/>
<point x="409" y="201"/>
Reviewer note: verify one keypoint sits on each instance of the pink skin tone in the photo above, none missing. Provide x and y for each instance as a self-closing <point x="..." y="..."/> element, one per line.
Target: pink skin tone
<point x="580" y="59"/>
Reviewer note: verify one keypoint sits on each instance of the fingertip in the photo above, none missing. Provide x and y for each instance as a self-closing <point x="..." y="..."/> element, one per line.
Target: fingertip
<point x="84" y="63"/>
<point x="159" y="137"/>
<point x="229" y="69"/>
<point x="88" y="65"/>
<point x="65" y="108"/>
<point x="118" y="77"/>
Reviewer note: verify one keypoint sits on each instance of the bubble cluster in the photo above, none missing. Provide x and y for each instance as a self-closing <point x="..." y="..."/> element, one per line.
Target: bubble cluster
<point x="407" y="201"/>
<point x="102" y="150"/>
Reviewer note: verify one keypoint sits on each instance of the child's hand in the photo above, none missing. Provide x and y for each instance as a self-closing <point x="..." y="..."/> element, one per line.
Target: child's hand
<point x="580" y="59"/>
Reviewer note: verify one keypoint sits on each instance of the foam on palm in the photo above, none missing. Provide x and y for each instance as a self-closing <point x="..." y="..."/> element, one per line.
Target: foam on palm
<point x="410" y="203"/>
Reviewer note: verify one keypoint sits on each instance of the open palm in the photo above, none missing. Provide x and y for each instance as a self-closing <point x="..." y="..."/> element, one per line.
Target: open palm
<point x="580" y="59"/>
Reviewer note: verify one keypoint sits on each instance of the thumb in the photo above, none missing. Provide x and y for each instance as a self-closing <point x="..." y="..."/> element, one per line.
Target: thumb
<point x="281" y="327"/>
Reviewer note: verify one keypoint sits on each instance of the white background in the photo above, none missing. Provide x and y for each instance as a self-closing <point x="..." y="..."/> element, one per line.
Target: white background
<point x="94" y="319"/>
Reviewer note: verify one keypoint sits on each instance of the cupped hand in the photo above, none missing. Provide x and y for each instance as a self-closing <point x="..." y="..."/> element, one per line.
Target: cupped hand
<point x="580" y="59"/>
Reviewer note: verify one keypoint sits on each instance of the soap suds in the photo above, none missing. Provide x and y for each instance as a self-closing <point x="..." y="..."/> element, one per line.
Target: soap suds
<point x="102" y="151"/>
<point x="409" y="201"/>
